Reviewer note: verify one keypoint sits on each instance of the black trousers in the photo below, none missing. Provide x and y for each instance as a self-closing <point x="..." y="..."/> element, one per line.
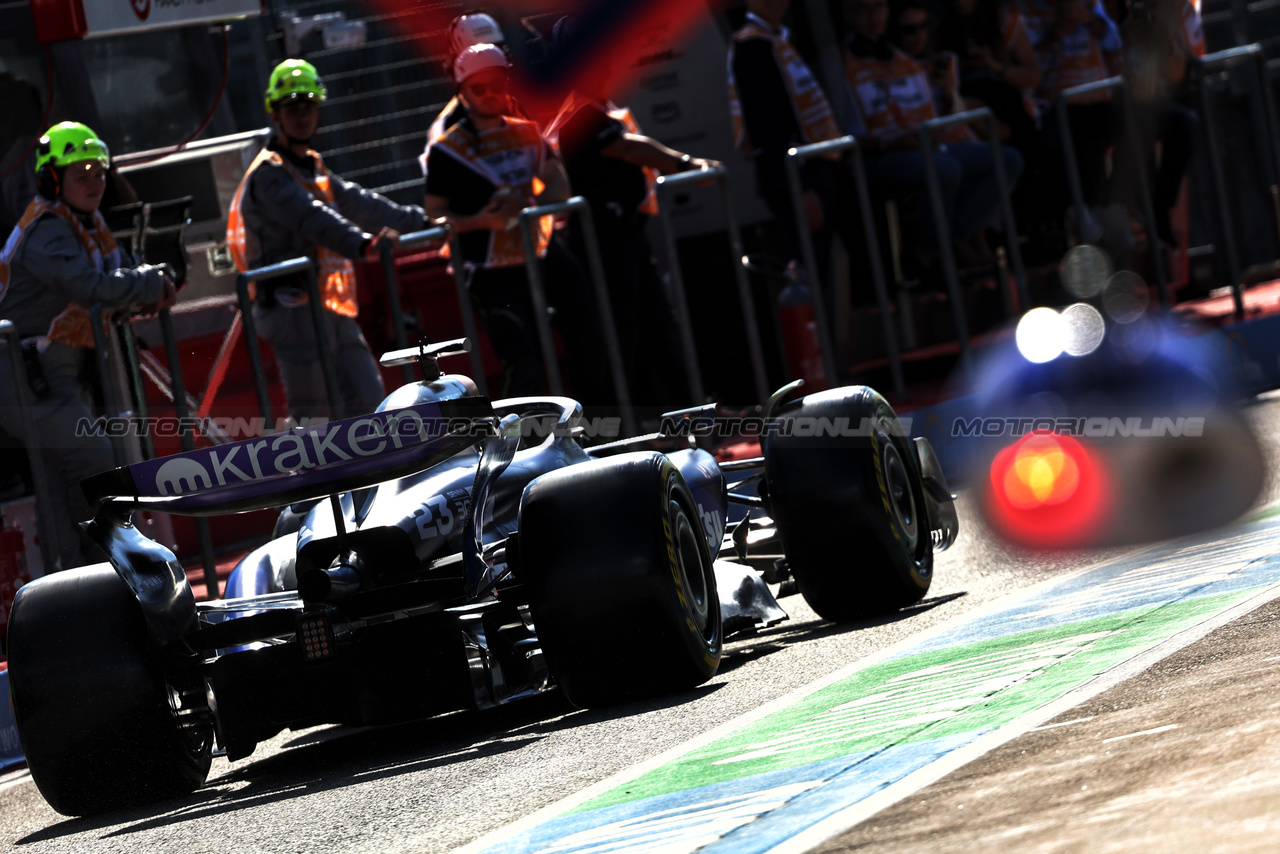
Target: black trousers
<point x="501" y="297"/>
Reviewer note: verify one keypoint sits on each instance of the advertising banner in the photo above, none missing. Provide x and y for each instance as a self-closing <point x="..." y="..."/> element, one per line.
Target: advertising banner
<point x="113" y="17"/>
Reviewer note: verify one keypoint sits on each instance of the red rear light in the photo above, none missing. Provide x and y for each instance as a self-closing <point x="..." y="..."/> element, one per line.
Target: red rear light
<point x="1048" y="491"/>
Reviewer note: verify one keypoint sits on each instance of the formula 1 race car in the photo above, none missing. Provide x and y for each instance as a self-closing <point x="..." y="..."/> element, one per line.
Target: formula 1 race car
<point x="437" y="555"/>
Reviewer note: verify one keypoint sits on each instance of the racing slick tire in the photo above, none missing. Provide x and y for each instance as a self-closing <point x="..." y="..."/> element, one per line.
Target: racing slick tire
<point x="620" y="580"/>
<point x="850" y="507"/>
<point x="95" y="714"/>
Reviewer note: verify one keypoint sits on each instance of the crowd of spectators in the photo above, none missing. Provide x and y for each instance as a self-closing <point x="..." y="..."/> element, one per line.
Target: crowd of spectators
<point x="904" y="63"/>
<point x="909" y="61"/>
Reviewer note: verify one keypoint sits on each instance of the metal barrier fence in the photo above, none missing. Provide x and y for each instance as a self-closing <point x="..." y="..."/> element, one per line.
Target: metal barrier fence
<point x="104" y="349"/>
<point x="1129" y="130"/>
<point x="795" y="158"/>
<point x="462" y="273"/>
<point x="529" y="219"/>
<point x="720" y="175"/>
<point x="1212" y="63"/>
<point x="927" y="131"/>
<point x="265" y="274"/>
<point x="188" y="444"/>
<point x="50" y="537"/>
<point x="414" y="240"/>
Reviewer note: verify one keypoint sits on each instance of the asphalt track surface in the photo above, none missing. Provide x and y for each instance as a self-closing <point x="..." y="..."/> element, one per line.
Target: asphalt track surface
<point x="1178" y="756"/>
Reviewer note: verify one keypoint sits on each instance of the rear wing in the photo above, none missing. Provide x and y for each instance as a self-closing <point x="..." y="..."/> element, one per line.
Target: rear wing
<point x="302" y="464"/>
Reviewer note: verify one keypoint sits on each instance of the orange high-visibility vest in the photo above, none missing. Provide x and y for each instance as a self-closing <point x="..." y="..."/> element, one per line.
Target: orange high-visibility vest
<point x="336" y="275"/>
<point x="894" y="98"/>
<point x="810" y="104"/>
<point x="72" y="325"/>
<point x="511" y="156"/>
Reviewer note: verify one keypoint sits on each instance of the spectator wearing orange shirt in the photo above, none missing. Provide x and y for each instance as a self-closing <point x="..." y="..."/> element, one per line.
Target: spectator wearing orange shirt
<point x="1162" y="38"/>
<point x="892" y="98"/>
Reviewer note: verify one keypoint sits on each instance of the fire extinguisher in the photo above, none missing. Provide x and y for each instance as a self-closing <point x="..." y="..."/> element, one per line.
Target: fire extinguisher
<point x="13" y="571"/>
<point x="800" y="332"/>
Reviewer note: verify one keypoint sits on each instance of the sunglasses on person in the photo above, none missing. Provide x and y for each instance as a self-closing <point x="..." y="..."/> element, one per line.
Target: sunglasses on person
<point x="497" y="87"/>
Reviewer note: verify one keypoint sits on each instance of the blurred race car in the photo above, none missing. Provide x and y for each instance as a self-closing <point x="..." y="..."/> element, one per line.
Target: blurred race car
<point x="438" y="555"/>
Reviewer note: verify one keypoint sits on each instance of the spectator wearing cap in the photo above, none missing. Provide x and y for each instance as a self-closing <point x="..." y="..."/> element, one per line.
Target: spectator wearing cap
<point x="615" y="166"/>
<point x="485" y="169"/>
<point x="464" y="31"/>
<point x="892" y="98"/>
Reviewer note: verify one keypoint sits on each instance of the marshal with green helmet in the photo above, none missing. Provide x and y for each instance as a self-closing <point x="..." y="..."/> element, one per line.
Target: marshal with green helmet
<point x="47" y="291"/>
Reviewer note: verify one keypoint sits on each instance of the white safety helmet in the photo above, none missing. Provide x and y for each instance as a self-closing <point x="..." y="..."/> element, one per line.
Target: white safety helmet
<point x="473" y="29"/>
<point x="477" y="58"/>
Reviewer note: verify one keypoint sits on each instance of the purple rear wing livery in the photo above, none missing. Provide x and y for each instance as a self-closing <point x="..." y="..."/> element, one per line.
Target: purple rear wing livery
<point x="305" y="463"/>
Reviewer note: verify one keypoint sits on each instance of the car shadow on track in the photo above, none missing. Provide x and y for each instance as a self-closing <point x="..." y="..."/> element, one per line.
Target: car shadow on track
<point x="819" y="628"/>
<point x="332" y="758"/>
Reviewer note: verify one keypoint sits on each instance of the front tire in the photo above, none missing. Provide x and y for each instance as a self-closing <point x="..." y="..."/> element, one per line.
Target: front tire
<point x="95" y="713"/>
<point x="851" y="506"/>
<point x="620" y="580"/>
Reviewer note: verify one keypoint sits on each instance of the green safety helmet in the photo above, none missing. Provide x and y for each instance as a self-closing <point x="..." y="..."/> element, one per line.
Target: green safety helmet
<point x="70" y="142"/>
<point x="294" y="79"/>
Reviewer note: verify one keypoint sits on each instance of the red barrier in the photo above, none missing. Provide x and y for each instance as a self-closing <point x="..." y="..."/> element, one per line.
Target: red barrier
<point x="13" y="572"/>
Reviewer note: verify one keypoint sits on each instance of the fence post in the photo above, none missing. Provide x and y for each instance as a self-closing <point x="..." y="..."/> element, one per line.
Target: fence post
<point x="255" y="350"/>
<point x="692" y="365"/>
<point x="1006" y="214"/>
<point x="391" y="276"/>
<point x="1226" y="225"/>
<point x="337" y="409"/>
<point x="794" y="157"/>
<point x="751" y="325"/>
<point x="538" y="299"/>
<point x="462" y="272"/>
<point x="529" y="218"/>
<point x="263" y="274"/>
<point x="49" y="535"/>
<point x="1129" y="129"/>
<point x="188" y="444"/>
<point x="128" y="348"/>
<point x="107" y="376"/>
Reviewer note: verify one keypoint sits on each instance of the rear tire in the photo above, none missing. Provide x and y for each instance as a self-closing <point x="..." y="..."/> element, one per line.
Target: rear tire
<point x="95" y="713"/>
<point x="620" y="580"/>
<point x="850" y="508"/>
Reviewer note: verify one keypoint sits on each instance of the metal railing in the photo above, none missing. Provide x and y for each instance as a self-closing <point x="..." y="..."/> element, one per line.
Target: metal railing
<point x="50" y="537"/>
<point x="462" y="273"/>
<point x="292" y="267"/>
<point x="943" y="227"/>
<point x="104" y="351"/>
<point x="1212" y="63"/>
<point x="1129" y="129"/>
<point x="430" y="237"/>
<point x="796" y="157"/>
<point x="720" y="175"/>
<point x="188" y="444"/>
<point x="529" y="219"/>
